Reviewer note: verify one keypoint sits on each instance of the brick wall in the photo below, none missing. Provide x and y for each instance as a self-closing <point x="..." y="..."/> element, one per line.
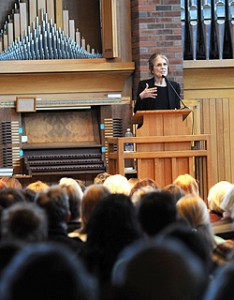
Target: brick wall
<point x="156" y="27"/>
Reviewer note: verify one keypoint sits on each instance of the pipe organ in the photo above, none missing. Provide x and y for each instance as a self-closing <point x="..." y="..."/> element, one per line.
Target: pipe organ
<point x="31" y="33"/>
<point x="76" y="102"/>
<point x="207" y="29"/>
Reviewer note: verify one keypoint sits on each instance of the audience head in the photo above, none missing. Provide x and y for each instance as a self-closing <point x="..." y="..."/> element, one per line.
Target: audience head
<point x="75" y="194"/>
<point x="37" y="186"/>
<point x="192" y="239"/>
<point x="112" y="226"/>
<point x="216" y="195"/>
<point x="9" y="196"/>
<point x="55" y="202"/>
<point x="29" y="195"/>
<point x="221" y="287"/>
<point x="144" y="182"/>
<point x="92" y="195"/>
<point x="81" y="184"/>
<point x="118" y="184"/>
<point x="101" y="177"/>
<point x="133" y="181"/>
<point x="12" y="182"/>
<point x="2" y="184"/>
<point x="25" y="222"/>
<point x="137" y="195"/>
<point x="228" y="201"/>
<point x="188" y="184"/>
<point x="46" y="271"/>
<point x="155" y="211"/>
<point x="163" y="271"/>
<point x="193" y="209"/>
<point x="8" y="249"/>
<point x="175" y="190"/>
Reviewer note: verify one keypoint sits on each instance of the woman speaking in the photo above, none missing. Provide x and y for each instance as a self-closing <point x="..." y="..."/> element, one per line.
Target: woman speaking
<point x="158" y="92"/>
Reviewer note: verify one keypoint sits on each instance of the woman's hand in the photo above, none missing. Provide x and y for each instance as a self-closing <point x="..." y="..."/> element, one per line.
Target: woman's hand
<point x="148" y="92"/>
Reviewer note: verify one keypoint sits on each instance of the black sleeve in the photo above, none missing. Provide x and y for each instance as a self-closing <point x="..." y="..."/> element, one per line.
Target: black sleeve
<point x="138" y="104"/>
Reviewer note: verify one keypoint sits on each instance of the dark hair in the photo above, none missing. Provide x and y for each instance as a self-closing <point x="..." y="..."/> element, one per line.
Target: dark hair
<point x="46" y="271"/>
<point x="112" y="226"/>
<point x="154" y="270"/>
<point x="25" y="222"/>
<point x="155" y="211"/>
<point x="55" y="202"/>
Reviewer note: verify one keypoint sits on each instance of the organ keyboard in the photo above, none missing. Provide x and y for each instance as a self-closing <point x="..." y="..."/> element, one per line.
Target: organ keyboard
<point x="63" y="161"/>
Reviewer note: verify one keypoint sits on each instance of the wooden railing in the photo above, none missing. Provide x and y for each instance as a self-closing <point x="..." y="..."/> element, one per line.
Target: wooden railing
<point x="166" y="164"/>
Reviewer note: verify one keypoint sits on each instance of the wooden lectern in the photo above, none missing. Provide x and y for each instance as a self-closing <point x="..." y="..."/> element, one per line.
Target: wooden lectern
<point x="163" y="123"/>
<point x="164" y="149"/>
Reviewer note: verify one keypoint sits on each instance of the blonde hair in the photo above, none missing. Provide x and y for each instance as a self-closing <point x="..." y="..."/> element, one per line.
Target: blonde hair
<point x="37" y="186"/>
<point x="11" y="182"/>
<point x="188" y="184"/>
<point x="193" y="209"/>
<point x="118" y="184"/>
<point x="216" y="195"/>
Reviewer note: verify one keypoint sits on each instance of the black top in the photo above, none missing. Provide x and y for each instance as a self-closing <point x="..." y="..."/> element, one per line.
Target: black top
<point x="167" y="98"/>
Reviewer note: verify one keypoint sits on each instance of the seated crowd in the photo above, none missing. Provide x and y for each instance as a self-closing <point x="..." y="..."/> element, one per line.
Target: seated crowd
<point x="116" y="239"/>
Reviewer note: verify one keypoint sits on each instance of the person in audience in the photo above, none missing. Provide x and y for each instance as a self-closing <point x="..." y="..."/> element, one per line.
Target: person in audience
<point x="188" y="184"/>
<point x="133" y="181"/>
<point x="2" y="184"/>
<point x="81" y="184"/>
<point x="45" y="271"/>
<point x="154" y="270"/>
<point x="37" y="186"/>
<point x="12" y="182"/>
<point x="215" y="198"/>
<point x="155" y="211"/>
<point x="144" y="182"/>
<point x="92" y="195"/>
<point x="75" y="194"/>
<point x="25" y="222"/>
<point x="8" y="250"/>
<point x="175" y="190"/>
<point x="137" y="195"/>
<point x="55" y="202"/>
<point x="29" y="195"/>
<point x="228" y="201"/>
<point x="193" y="209"/>
<point x="9" y="196"/>
<point x="192" y="239"/>
<point x="118" y="184"/>
<point x="221" y="219"/>
<point x="221" y="287"/>
<point x="101" y="177"/>
<point x="112" y="226"/>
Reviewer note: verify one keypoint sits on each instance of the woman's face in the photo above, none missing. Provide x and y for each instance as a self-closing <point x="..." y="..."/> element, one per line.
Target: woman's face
<point x="160" y="67"/>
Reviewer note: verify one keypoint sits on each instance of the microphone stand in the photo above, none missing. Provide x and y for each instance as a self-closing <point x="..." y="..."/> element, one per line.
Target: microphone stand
<point x="168" y="82"/>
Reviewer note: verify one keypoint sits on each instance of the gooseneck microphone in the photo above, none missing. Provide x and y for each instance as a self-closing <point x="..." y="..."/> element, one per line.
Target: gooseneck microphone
<point x="184" y="106"/>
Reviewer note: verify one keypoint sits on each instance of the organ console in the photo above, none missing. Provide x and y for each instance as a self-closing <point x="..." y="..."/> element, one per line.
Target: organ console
<point x="63" y="161"/>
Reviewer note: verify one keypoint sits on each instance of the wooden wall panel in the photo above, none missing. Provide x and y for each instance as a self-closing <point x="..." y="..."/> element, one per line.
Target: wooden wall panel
<point x="211" y="84"/>
<point x="215" y="119"/>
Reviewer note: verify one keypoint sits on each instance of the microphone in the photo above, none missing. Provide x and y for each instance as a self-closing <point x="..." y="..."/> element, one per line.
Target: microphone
<point x="184" y="106"/>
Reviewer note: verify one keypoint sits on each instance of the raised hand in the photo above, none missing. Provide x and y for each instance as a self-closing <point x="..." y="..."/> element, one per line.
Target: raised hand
<point x="148" y="92"/>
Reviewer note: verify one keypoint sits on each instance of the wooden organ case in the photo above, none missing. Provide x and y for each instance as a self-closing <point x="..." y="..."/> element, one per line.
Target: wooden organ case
<point x="56" y="112"/>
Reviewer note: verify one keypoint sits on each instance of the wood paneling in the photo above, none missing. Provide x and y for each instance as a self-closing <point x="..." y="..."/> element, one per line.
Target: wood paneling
<point x="213" y="89"/>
